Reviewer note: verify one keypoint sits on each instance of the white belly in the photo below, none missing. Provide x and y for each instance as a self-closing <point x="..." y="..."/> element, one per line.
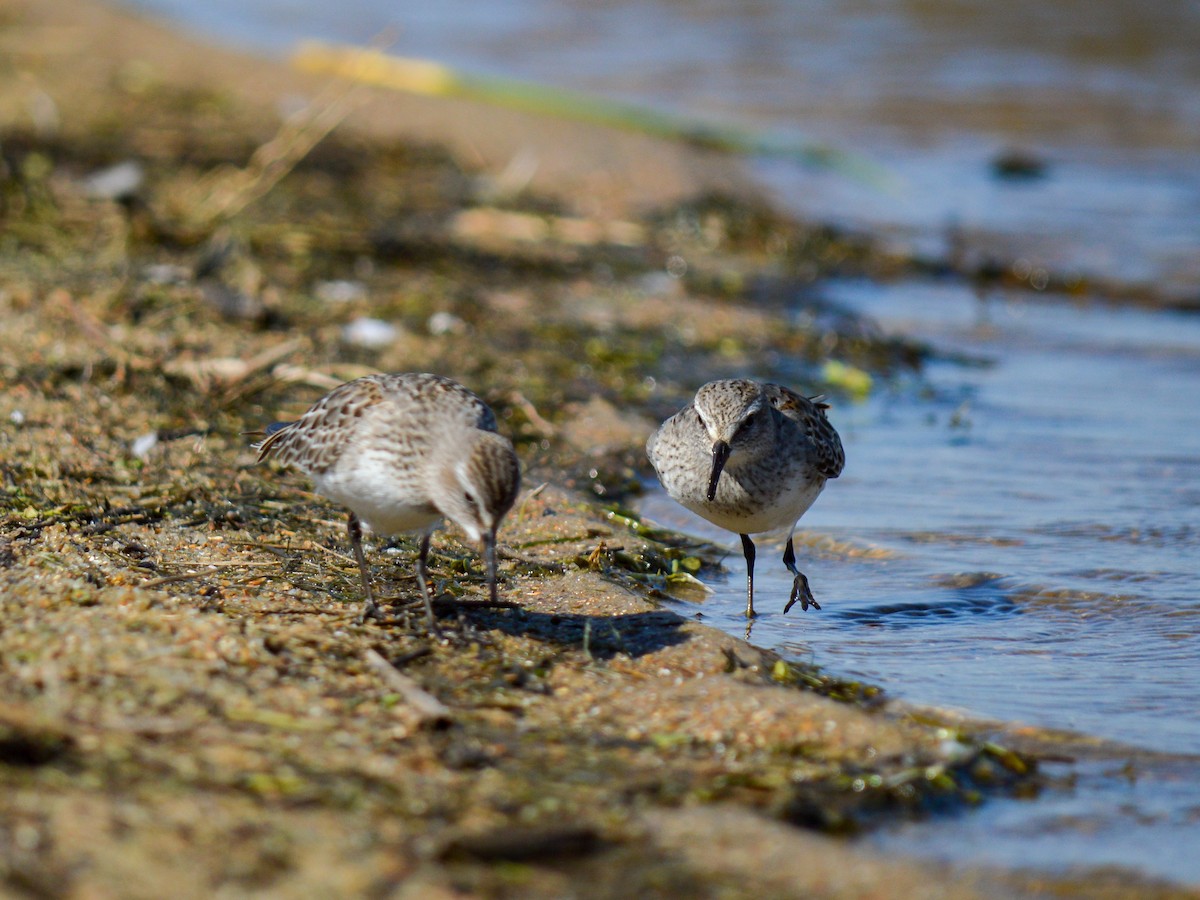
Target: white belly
<point x="385" y="499"/>
<point x="781" y="511"/>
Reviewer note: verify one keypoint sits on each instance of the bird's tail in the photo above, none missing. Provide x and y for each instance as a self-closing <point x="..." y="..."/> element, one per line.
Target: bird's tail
<point x="269" y="437"/>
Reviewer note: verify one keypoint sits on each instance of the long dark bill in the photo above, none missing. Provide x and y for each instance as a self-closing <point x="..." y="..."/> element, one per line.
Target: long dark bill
<point x="720" y="457"/>
<point x="489" y="555"/>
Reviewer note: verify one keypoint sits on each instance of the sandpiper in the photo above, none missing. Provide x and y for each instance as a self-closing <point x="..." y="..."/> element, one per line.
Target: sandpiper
<point x="750" y="457"/>
<point x="401" y="452"/>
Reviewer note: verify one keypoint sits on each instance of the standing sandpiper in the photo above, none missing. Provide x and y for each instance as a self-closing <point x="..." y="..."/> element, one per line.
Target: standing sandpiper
<point x="749" y="457"/>
<point x="401" y="452"/>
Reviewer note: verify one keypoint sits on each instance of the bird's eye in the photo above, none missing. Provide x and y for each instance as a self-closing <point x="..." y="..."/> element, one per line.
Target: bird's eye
<point x="750" y="421"/>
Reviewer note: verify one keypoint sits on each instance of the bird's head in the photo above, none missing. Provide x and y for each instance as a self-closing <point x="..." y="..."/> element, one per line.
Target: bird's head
<point x="739" y="420"/>
<point x="478" y="484"/>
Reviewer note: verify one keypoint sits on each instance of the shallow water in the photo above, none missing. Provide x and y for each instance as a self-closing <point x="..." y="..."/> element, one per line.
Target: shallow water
<point x="1037" y="552"/>
<point x="1017" y="538"/>
<point x="1140" y="817"/>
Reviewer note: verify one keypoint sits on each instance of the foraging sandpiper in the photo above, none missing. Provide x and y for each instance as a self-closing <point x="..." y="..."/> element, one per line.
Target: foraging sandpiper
<point x="750" y="457"/>
<point x="401" y="452"/>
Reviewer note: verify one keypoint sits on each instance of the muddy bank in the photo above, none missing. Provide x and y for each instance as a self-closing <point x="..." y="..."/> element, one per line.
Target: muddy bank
<point x="188" y="704"/>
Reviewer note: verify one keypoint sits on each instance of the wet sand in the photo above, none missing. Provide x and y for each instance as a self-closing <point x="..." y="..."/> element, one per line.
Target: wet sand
<point x="188" y="703"/>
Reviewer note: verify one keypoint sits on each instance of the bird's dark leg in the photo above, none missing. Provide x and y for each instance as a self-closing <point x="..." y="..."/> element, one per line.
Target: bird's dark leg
<point x="370" y="609"/>
<point x="800" y="589"/>
<point x="489" y="556"/>
<point x="748" y="550"/>
<point x="423" y="579"/>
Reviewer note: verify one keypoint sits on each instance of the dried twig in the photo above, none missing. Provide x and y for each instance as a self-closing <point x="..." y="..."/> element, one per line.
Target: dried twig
<point x="207" y="570"/>
<point x="427" y="706"/>
<point x="541" y="425"/>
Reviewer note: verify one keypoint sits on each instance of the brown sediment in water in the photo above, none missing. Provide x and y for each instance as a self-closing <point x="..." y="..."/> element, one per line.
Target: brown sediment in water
<point x="188" y="704"/>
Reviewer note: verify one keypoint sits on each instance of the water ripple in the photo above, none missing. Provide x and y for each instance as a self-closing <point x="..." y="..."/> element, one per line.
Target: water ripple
<point x="976" y="595"/>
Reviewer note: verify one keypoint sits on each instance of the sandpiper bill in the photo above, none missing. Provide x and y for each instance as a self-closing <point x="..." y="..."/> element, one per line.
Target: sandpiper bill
<point x="750" y="457"/>
<point x="401" y="452"/>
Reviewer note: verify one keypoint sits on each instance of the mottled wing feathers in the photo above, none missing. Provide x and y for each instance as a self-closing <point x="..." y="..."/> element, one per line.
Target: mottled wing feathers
<point x="426" y="394"/>
<point x="408" y="406"/>
<point x="316" y="440"/>
<point x="809" y="414"/>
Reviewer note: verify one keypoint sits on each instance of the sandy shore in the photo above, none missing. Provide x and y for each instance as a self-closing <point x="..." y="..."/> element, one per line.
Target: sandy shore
<point x="188" y="706"/>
